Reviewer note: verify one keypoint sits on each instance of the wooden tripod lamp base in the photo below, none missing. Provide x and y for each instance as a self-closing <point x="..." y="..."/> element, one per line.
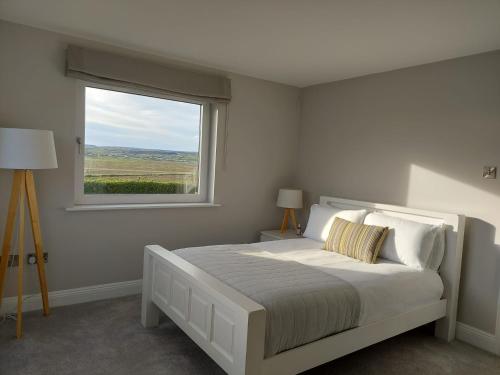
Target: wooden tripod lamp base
<point x="289" y="199"/>
<point x="289" y="212"/>
<point x="23" y="186"/>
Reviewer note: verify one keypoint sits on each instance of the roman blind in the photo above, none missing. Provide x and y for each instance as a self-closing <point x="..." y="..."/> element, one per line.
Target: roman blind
<point x="110" y="68"/>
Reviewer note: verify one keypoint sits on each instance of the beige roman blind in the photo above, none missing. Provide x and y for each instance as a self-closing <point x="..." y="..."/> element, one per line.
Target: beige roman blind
<point x="109" y="68"/>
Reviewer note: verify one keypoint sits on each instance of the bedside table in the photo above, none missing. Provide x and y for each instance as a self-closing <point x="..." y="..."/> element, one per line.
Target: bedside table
<point x="275" y="235"/>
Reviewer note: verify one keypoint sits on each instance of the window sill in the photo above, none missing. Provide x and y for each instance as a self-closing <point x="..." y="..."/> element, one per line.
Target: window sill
<point x="137" y="206"/>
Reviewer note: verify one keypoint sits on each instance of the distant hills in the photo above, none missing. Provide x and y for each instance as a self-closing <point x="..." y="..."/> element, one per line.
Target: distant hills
<point x="114" y="152"/>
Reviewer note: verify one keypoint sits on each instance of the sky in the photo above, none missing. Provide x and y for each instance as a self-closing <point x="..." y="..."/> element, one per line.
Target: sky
<point x="114" y="118"/>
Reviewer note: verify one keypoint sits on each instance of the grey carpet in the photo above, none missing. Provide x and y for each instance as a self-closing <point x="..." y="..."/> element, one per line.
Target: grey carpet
<point x="105" y="337"/>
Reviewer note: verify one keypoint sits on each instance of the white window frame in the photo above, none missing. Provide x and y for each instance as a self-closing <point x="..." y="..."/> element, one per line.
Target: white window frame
<point x="205" y="184"/>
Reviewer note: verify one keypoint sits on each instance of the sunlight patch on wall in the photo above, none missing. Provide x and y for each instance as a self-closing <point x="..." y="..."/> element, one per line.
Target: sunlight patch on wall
<point x="431" y="190"/>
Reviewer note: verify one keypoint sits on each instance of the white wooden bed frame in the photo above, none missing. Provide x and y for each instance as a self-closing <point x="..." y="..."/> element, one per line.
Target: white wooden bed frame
<point x="230" y="327"/>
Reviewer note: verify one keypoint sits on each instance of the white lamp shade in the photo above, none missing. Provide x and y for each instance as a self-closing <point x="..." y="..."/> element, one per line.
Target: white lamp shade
<point x="290" y="198"/>
<point x="27" y="149"/>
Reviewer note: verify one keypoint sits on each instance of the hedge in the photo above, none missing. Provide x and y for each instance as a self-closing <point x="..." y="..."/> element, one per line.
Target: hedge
<point x="132" y="187"/>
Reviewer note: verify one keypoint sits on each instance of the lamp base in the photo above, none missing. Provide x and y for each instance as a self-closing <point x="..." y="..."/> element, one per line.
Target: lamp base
<point x="23" y="185"/>
<point x="289" y="212"/>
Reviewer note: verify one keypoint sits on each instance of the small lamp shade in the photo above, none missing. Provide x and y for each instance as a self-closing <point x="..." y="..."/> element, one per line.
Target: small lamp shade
<point x="27" y="149"/>
<point x="290" y="198"/>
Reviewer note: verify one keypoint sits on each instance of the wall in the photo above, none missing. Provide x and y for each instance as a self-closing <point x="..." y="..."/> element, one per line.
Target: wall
<point x="418" y="137"/>
<point x="88" y="248"/>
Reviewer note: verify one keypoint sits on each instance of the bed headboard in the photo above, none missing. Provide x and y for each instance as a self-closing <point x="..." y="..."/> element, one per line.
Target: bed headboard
<point x="452" y="263"/>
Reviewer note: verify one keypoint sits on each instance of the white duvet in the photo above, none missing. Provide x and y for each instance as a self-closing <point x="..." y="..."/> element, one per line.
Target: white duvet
<point x="385" y="288"/>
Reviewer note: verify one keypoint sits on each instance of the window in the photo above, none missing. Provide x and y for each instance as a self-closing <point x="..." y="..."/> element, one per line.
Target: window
<point x="138" y="148"/>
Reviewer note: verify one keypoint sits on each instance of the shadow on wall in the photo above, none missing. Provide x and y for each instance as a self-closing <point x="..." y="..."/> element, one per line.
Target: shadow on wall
<point x="480" y="231"/>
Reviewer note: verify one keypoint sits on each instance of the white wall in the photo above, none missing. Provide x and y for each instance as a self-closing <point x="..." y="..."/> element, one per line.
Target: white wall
<point x="418" y="137"/>
<point x="87" y="248"/>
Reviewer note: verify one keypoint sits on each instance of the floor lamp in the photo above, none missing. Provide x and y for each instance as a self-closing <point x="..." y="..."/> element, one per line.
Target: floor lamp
<point x="23" y="150"/>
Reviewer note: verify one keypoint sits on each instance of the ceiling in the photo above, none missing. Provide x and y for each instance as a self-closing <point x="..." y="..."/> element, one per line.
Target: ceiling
<point x="295" y="42"/>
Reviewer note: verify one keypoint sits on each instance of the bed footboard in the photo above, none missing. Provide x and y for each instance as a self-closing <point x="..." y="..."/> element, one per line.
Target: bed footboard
<point x="227" y="325"/>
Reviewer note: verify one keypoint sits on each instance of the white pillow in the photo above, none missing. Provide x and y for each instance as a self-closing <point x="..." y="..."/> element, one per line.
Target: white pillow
<point x="321" y="220"/>
<point x="408" y="242"/>
<point x="437" y="252"/>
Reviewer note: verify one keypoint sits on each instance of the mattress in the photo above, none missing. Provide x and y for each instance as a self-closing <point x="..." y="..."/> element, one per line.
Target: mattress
<point x="385" y="288"/>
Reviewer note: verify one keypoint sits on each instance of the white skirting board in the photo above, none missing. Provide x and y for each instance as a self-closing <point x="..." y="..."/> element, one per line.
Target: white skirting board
<point x="73" y="296"/>
<point x="465" y="333"/>
<point x="478" y="338"/>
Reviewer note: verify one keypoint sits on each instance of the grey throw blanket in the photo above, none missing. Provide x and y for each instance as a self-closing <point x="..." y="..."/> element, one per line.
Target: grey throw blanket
<point x="302" y="303"/>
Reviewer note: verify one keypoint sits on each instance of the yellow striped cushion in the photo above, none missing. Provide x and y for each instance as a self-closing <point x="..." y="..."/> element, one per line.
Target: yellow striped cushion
<point x="357" y="241"/>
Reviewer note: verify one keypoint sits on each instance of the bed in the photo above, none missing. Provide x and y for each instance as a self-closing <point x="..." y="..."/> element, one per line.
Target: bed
<point x="218" y="296"/>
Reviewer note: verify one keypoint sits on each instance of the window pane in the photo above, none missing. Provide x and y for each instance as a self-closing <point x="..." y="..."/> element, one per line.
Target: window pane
<point x="137" y="144"/>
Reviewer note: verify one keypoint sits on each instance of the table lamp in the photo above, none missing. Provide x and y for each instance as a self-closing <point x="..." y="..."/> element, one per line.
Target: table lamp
<point x="23" y="150"/>
<point x="289" y="199"/>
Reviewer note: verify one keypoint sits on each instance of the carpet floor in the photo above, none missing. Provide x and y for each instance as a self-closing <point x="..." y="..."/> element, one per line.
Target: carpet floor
<point x="105" y="337"/>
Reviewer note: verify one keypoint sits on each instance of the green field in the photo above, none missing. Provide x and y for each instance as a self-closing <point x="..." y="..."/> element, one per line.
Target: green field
<point x="123" y="170"/>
